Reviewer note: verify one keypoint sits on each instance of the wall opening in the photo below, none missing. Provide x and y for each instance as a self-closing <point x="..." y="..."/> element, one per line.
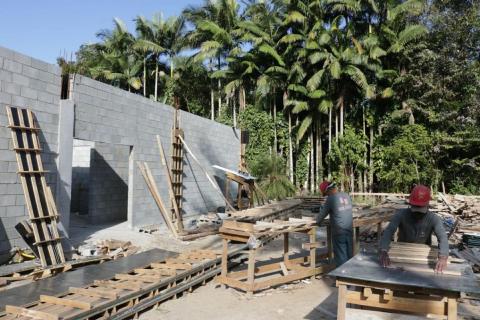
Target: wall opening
<point x="100" y="175"/>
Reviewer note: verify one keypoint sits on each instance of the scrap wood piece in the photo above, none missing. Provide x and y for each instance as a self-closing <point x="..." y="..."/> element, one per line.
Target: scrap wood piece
<point x="30" y="313"/>
<point x="145" y="170"/>
<point x="65" y="302"/>
<point x="173" y="198"/>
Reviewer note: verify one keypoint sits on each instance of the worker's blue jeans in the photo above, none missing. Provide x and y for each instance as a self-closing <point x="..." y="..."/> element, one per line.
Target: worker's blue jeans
<point x="342" y="248"/>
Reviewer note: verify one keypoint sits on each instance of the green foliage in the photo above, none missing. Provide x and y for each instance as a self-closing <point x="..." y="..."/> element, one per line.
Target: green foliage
<point x="407" y="159"/>
<point x="347" y="156"/>
<point x="407" y="71"/>
<point x="273" y="180"/>
<point x="260" y="128"/>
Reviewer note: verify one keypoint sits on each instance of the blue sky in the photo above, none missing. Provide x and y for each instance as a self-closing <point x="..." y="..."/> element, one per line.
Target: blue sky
<point x="45" y="28"/>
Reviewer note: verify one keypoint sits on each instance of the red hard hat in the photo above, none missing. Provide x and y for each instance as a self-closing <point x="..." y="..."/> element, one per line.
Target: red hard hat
<point x="324" y="185"/>
<point x="420" y="196"/>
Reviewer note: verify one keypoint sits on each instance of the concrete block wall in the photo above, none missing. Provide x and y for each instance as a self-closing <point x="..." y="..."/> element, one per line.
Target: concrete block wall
<point x="109" y="115"/>
<point x="108" y="183"/>
<point x="25" y="82"/>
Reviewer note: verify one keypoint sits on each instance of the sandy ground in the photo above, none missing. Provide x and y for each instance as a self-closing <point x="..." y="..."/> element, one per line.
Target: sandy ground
<point x="305" y="299"/>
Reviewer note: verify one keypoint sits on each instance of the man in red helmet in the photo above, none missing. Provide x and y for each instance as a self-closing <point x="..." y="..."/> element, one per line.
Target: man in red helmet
<point x="416" y="225"/>
<point x="339" y="206"/>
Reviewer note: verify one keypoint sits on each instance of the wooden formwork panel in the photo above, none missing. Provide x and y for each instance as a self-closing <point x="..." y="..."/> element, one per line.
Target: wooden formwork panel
<point x="38" y="196"/>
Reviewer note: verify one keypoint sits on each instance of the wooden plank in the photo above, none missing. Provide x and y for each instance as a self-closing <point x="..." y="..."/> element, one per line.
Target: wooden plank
<point x="235" y="225"/>
<point x="30" y="313"/>
<point x="412" y="304"/>
<point x="132" y="286"/>
<point x="137" y="277"/>
<point x="342" y="302"/>
<point x="451" y="309"/>
<point x="94" y="292"/>
<point x="156" y="196"/>
<point x="176" y="266"/>
<point x="65" y="302"/>
<point x="157" y="272"/>
<point x="284" y="269"/>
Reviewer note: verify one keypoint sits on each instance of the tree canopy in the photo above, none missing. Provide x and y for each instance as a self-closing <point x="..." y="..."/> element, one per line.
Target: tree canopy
<point x="378" y="95"/>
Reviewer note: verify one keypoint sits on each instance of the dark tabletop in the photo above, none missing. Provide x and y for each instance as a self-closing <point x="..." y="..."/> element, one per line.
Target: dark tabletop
<point x="365" y="267"/>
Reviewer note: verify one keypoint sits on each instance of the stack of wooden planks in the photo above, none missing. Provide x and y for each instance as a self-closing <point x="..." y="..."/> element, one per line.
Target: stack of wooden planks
<point x="421" y="258"/>
<point x="269" y="212"/>
<point x="39" y="200"/>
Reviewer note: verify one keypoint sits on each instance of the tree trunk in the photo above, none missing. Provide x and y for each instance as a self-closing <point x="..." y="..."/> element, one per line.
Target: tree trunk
<point x="234" y="109"/>
<point x="329" y="129"/>
<point x="319" y="155"/>
<point x="212" y="103"/>
<point x="156" y="79"/>
<point x="144" y="77"/>
<point x="312" y="163"/>
<point x="370" y="164"/>
<point x="290" y="147"/>
<point x="275" y="138"/>
<point x="341" y="119"/>
<point x="219" y="90"/>
<point x="336" y="126"/>
<point x="363" y="181"/>
<point x="241" y="99"/>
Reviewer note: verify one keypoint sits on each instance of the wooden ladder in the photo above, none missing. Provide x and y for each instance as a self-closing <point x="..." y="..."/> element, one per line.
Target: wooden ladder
<point x="38" y="196"/>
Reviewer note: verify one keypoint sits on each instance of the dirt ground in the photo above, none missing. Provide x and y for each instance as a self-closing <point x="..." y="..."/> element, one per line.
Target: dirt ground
<point x="305" y="299"/>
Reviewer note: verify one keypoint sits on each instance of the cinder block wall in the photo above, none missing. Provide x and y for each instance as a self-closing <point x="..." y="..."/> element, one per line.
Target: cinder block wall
<point x="108" y="183"/>
<point x="109" y="115"/>
<point x="25" y="82"/>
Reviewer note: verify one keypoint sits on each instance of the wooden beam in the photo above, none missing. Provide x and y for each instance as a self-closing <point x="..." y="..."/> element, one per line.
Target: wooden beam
<point x="30" y="313"/>
<point x="94" y="292"/>
<point x="65" y="302"/>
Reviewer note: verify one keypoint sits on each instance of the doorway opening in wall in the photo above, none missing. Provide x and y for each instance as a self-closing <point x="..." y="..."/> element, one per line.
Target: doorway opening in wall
<point x="100" y="180"/>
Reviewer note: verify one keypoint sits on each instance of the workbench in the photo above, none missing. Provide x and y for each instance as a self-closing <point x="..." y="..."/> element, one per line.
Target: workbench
<point x="256" y="236"/>
<point x="362" y="281"/>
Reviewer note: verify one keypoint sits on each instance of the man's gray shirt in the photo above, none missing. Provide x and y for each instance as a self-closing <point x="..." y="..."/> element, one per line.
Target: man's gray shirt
<point x="339" y="207"/>
<point x="415" y="230"/>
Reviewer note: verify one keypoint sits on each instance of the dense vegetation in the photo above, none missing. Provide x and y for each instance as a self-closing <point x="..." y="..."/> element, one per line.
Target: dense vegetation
<point x="375" y="94"/>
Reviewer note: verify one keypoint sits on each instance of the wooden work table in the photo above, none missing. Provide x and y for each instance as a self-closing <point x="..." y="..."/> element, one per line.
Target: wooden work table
<point x="362" y="281"/>
<point x="256" y="236"/>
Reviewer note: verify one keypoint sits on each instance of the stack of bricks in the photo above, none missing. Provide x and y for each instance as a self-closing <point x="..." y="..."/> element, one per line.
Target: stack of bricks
<point x="26" y="83"/>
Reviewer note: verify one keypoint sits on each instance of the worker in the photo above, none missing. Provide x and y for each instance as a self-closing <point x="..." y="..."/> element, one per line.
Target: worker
<point x="339" y="206"/>
<point x="416" y="225"/>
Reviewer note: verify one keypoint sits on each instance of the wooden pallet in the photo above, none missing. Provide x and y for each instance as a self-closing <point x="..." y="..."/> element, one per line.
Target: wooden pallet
<point x="38" y="196"/>
<point x="126" y="294"/>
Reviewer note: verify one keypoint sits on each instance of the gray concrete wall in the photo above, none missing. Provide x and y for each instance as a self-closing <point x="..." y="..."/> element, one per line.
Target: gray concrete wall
<point x="80" y="168"/>
<point x="107" y="114"/>
<point x="115" y="120"/>
<point x="25" y="82"/>
<point x="108" y="183"/>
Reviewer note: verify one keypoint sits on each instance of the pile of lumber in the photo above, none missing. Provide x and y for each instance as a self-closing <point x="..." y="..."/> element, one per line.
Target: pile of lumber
<point x="421" y="258"/>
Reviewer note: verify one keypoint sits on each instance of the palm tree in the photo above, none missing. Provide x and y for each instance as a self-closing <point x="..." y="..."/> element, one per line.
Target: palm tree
<point x="214" y="23"/>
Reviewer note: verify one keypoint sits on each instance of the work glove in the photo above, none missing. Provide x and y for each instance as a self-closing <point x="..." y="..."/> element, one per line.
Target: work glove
<point x="441" y="264"/>
<point x="384" y="259"/>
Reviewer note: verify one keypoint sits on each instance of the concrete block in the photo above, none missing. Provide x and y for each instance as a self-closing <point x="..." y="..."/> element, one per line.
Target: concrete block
<point x="20" y="79"/>
<point x="5" y="98"/>
<point x="11" y="88"/>
<point x="23" y="59"/>
<point x="38" y="85"/>
<point x="12" y="66"/>
<point x="39" y="64"/>
<point x="30" y="72"/>
<point x="29" y="93"/>
<point x="5" y="75"/>
<point x="8" y="177"/>
<point x="7" y="200"/>
<point x="15" y="211"/>
<point x="45" y="97"/>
